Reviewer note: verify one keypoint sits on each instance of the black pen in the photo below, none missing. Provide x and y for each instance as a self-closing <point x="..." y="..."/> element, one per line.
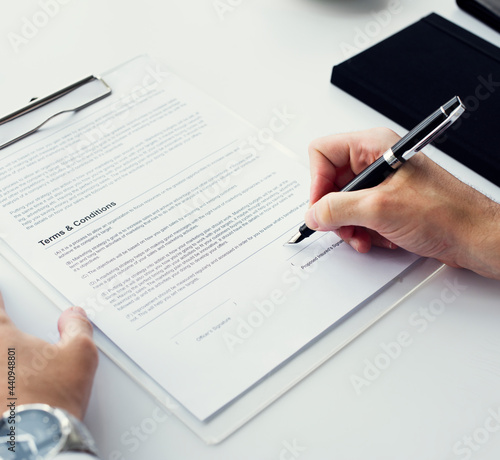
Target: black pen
<point x="399" y="153"/>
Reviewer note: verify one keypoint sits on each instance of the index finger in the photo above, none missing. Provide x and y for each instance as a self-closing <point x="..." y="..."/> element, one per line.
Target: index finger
<point x="335" y="160"/>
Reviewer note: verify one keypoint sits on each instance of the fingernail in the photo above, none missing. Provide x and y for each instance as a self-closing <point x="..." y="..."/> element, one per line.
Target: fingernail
<point x="79" y="311"/>
<point x="355" y="245"/>
<point x="310" y="218"/>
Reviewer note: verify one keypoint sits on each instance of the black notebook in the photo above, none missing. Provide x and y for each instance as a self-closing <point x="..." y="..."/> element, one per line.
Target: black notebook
<point x="409" y="75"/>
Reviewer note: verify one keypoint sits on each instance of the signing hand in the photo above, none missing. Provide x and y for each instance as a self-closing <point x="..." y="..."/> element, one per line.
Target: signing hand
<point x="421" y="208"/>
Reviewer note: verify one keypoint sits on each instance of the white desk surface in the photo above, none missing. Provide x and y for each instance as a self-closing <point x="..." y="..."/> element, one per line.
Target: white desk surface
<point x="440" y="394"/>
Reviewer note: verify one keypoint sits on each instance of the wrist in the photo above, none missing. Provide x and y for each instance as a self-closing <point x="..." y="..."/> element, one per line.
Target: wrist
<point x="38" y="431"/>
<point x="481" y="242"/>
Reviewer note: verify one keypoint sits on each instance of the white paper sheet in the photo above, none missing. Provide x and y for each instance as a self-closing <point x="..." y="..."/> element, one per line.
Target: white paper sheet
<point x="157" y="211"/>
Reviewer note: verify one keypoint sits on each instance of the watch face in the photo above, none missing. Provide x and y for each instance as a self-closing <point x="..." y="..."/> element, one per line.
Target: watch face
<point x="31" y="435"/>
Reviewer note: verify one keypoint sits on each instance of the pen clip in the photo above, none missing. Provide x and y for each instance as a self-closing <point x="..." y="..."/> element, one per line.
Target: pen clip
<point x="436" y="132"/>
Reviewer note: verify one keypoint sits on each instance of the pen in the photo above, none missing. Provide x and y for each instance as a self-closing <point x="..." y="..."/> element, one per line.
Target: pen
<point x="399" y="153"/>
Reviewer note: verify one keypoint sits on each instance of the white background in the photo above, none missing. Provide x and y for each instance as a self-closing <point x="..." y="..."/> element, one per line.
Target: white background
<point x="256" y="56"/>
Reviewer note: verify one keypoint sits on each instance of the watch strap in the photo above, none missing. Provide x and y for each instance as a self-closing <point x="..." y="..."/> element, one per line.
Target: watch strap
<point x="79" y="438"/>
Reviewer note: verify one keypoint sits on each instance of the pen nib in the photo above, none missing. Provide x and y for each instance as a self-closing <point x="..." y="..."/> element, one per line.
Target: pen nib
<point x="297" y="238"/>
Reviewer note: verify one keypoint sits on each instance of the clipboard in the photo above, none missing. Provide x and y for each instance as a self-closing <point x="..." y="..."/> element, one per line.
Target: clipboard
<point x="274" y="385"/>
<point x="38" y="113"/>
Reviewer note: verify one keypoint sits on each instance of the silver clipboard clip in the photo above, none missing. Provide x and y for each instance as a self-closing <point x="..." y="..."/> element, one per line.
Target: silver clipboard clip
<point x="81" y="93"/>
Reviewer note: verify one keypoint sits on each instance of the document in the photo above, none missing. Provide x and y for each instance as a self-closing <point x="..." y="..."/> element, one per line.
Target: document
<point x="157" y="211"/>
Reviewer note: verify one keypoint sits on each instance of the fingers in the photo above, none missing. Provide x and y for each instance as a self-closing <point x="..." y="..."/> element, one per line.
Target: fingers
<point x="336" y="159"/>
<point x="351" y="215"/>
<point x="74" y="323"/>
<point x="357" y="237"/>
<point x="327" y="156"/>
<point x="337" y="210"/>
<point x="379" y="240"/>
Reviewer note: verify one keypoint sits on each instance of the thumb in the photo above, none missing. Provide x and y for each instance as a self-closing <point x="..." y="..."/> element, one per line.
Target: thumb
<point x="74" y="323"/>
<point x="2" y="306"/>
<point x="4" y="317"/>
<point x="339" y="209"/>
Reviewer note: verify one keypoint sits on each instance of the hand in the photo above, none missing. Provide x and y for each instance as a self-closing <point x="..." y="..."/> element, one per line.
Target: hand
<point x="421" y="208"/>
<point x="61" y="374"/>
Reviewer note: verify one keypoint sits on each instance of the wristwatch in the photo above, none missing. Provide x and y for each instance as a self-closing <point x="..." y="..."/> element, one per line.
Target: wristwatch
<point x="40" y="432"/>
